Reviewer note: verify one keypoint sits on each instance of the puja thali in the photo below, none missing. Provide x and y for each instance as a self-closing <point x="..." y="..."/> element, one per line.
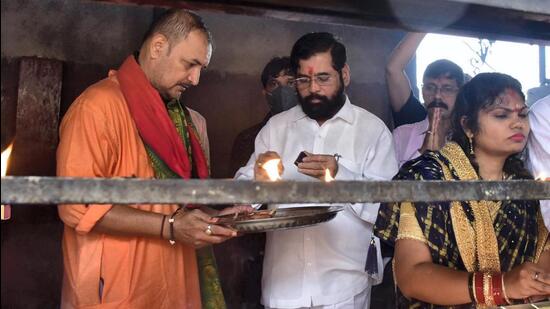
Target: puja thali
<point x="281" y="218"/>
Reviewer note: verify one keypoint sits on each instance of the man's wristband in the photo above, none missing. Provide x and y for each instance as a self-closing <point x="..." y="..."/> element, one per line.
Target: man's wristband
<point x="172" y="219"/>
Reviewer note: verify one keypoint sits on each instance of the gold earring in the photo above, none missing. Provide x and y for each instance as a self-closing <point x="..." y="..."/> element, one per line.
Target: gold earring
<point x="471" y="145"/>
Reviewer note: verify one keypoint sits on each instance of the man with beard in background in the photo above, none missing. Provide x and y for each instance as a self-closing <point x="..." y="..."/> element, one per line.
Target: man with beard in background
<point x="324" y="265"/>
<point x="417" y="131"/>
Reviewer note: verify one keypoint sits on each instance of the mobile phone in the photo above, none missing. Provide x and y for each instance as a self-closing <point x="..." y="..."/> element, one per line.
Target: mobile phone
<point x="300" y="158"/>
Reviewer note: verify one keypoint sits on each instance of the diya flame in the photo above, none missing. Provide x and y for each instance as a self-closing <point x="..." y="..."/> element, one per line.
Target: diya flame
<point x="6" y="209"/>
<point x="272" y="169"/>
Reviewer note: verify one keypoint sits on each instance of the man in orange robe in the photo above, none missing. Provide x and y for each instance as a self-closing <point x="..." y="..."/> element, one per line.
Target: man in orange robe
<point x="131" y="124"/>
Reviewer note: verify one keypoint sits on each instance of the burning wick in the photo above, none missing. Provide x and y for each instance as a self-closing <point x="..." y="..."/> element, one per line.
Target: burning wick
<point x="6" y="209"/>
<point x="5" y="158"/>
<point x="272" y="169"/>
<point x="328" y="177"/>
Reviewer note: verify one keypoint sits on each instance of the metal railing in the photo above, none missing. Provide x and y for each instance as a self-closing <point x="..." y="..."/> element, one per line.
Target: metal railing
<point x="59" y="190"/>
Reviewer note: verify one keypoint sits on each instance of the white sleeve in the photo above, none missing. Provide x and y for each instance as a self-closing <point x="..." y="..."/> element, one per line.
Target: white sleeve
<point x="380" y="164"/>
<point x="539" y="147"/>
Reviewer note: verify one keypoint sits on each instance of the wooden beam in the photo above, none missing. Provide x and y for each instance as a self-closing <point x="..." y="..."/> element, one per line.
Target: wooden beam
<point x="37" y="117"/>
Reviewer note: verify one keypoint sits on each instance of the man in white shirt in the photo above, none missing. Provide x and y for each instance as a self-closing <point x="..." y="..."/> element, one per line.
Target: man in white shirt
<point x="539" y="147"/>
<point x="323" y="266"/>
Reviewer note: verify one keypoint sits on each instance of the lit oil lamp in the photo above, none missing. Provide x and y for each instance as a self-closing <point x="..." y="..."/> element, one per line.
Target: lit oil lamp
<point x="6" y="209"/>
<point x="272" y="169"/>
<point x="328" y="177"/>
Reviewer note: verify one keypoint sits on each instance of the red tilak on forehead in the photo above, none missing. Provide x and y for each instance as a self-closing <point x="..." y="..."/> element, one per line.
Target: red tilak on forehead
<point x="310" y="71"/>
<point x="512" y="93"/>
<point x="507" y="97"/>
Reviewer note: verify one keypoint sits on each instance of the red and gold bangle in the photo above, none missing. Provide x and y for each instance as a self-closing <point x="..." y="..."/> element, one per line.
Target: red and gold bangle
<point x="498" y="294"/>
<point x="488" y="289"/>
<point x="478" y="285"/>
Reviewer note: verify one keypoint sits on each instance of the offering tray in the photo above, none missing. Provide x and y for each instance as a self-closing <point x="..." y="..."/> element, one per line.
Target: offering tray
<point x="283" y="218"/>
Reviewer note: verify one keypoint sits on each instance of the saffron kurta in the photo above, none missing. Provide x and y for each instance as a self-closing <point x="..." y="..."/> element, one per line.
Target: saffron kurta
<point x="98" y="138"/>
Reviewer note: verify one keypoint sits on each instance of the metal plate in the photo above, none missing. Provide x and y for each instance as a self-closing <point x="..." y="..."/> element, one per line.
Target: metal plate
<point x="287" y="218"/>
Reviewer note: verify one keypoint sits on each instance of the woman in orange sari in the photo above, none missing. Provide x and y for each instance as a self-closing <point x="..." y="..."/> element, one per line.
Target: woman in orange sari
<point x="472" y="253"/>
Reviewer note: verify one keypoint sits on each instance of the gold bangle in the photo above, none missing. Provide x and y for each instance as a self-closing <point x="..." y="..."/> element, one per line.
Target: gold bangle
<point x="474" y="286"/>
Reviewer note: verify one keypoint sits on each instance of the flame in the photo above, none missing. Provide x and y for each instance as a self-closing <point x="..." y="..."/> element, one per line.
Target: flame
<point x="272" y="169"/>
<point x="5" y="211"/>
<point x="542" y="177"/>
<point x="5" y="159"/>
<point x="328" y="177"/>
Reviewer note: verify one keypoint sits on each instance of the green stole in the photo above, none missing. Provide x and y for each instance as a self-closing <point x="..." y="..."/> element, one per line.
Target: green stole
<point x="210" y="286"/>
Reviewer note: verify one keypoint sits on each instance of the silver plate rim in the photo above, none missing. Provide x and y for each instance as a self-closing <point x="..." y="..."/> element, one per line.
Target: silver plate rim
<point x="321" y="214"/>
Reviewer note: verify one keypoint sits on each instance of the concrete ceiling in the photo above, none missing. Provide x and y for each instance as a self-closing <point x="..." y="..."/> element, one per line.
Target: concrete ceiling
<point x="512" y="20"/>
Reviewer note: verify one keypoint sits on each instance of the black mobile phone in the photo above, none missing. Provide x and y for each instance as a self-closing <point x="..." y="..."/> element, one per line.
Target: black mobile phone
<point x="300" y="158"/>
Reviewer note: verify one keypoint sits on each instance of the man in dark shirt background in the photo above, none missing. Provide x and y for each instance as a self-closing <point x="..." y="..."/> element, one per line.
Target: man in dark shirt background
<point x="280" y="94"/>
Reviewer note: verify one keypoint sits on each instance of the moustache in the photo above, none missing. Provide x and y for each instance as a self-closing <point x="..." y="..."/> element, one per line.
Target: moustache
<point x="314" y="96"/>
<point x="437" y="104"/>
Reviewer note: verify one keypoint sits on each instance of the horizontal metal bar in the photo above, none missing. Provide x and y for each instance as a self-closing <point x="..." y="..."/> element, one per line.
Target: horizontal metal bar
<point x="52" y="190"/>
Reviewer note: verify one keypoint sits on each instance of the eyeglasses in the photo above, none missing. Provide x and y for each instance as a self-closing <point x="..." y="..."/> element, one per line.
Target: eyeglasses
<point x="446" y="91"/>
<point x="320" y="79"/>
<point x="274" y="83"/>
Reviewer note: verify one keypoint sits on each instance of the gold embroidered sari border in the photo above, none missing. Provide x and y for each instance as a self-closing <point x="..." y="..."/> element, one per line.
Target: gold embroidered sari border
<point x="409" y="228"/>
<point x="486" y="245"/>
<point x="464" y="233"/>
<point x="543" y="243"/>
